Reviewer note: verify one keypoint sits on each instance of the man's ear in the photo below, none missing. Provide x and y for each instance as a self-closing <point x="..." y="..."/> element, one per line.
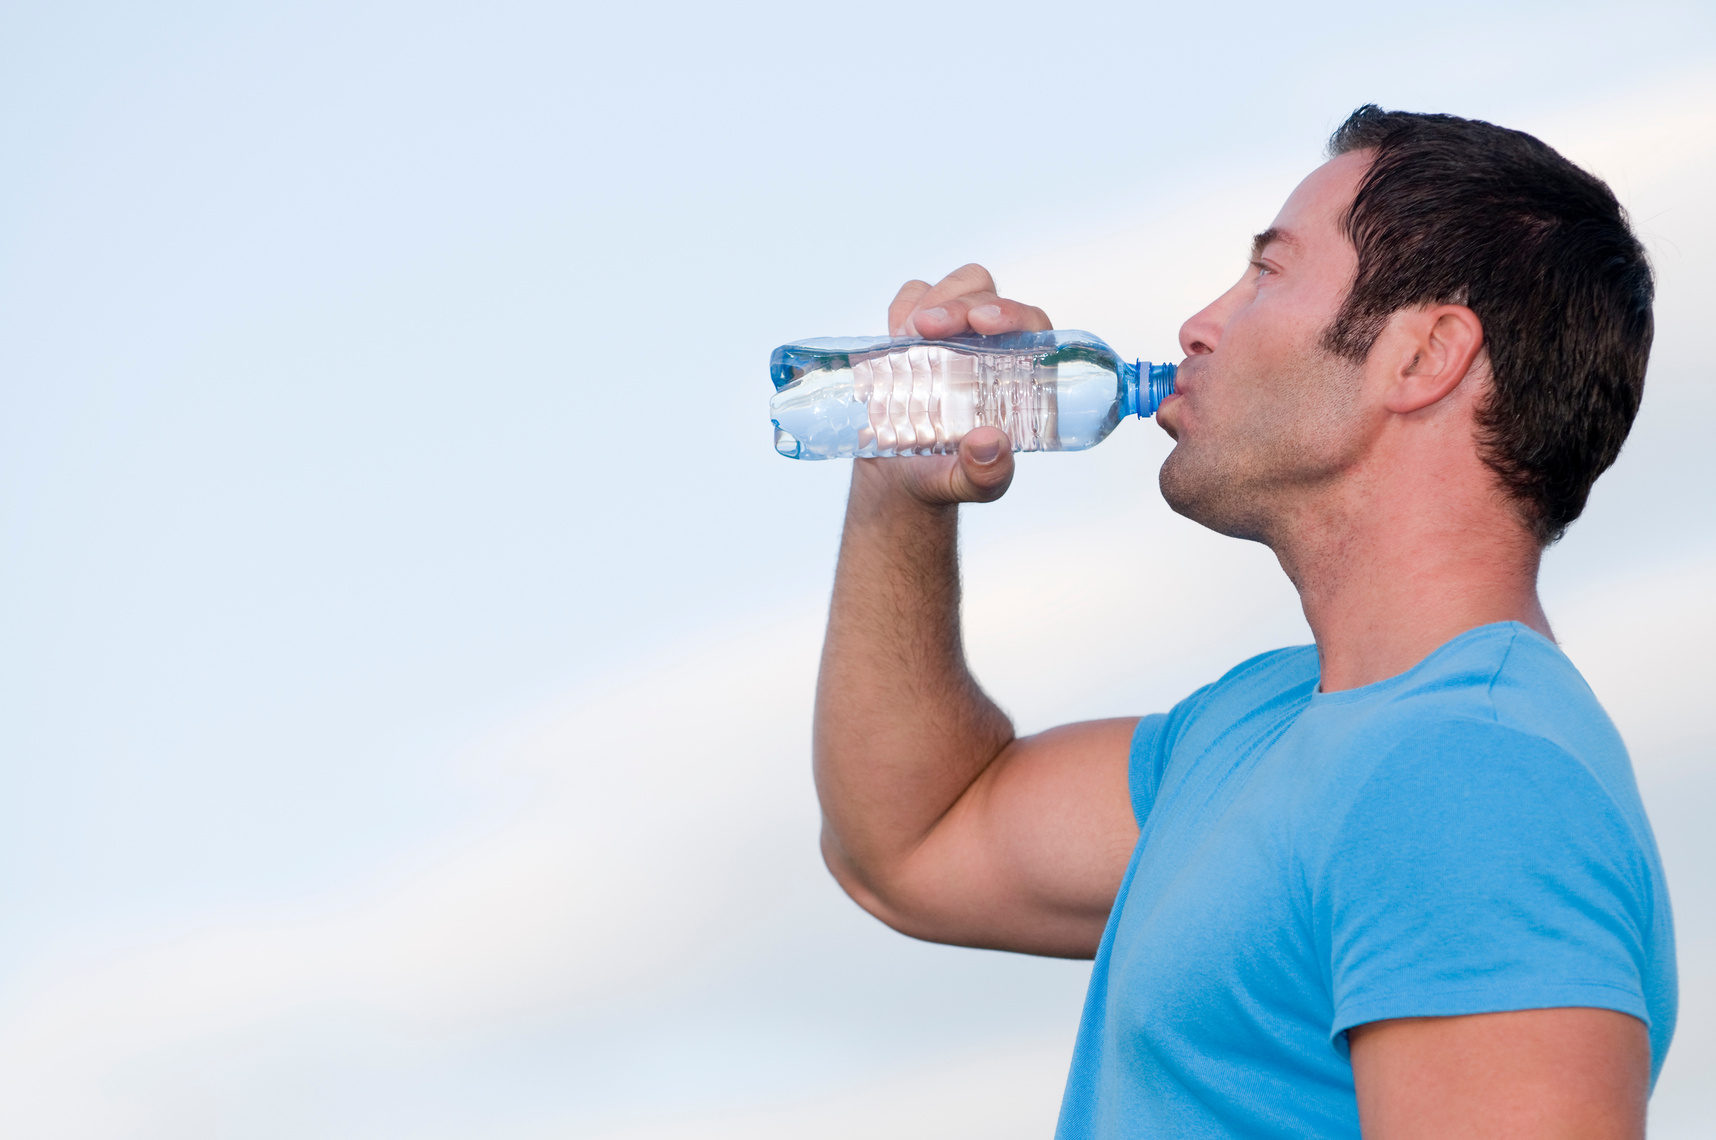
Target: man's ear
<point x="1428" y="352"/>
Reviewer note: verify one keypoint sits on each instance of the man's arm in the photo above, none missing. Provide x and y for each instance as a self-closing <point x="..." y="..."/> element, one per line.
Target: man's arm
<point x="1535" y="1074"/>
<point x="936" y="818"/>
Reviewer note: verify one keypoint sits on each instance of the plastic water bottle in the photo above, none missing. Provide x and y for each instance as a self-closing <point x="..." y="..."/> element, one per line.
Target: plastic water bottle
<point x="840" y="397"/>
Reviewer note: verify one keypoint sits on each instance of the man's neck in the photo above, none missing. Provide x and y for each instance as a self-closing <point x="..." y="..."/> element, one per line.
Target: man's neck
<point x="1383" y="589"/>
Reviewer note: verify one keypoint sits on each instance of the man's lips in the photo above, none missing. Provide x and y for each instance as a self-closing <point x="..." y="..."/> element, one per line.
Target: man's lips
<point x="1186" y="374"/>
<point x="1183" y="377"/>
<point x="1166" y="419"/>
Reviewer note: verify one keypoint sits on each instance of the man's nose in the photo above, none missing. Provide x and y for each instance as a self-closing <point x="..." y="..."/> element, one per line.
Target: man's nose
<point x="1202" y="332"/>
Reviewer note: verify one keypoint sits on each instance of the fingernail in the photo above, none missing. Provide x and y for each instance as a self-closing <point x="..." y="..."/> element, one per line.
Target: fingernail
<point x="987" y="312"/>
<point x="901" y="331"/>
<point x="986" y="452"/>
<point x="936" y="314"/>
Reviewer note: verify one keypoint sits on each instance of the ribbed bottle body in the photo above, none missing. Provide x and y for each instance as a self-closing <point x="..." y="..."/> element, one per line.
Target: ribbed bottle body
<point x="1051" y="391"/>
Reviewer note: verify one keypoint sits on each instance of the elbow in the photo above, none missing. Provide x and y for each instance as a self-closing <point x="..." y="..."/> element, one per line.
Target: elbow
<point x="872" y="891"/>
<point x="903" y="902"/>
<point x="913" y="899"/>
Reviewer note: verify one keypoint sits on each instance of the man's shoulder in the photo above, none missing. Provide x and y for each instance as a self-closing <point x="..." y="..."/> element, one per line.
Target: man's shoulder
<point x="1287" y="674"/>
<point x="1499" y="687"/>
<point x="1498" y="709"/>
<point x="1502" y="684"/>
<point x="1269" y="684"/>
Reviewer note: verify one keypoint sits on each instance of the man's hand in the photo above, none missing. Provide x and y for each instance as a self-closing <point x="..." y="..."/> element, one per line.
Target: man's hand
<point x="935" y="817"/>
<point x="963" y="302"/>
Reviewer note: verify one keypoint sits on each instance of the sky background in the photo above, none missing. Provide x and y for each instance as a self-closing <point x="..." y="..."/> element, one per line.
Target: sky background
<point x="407" y="631"/>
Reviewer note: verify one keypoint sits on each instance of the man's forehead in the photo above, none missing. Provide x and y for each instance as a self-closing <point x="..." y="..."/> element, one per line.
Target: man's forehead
<point x="1315" y="208"/>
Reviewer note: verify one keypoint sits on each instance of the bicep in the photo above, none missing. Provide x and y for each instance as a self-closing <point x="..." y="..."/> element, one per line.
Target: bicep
<point x="1031" y="856"/>
<point x="1543" y="1074"/>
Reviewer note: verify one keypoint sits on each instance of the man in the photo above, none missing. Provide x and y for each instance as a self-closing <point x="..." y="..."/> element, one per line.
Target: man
<point x="1400" y="881"/>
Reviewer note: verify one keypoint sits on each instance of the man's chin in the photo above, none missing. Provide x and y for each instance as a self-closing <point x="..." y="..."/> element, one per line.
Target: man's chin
<point x="1208" y="496"/>
<point x="1181" y="489"/>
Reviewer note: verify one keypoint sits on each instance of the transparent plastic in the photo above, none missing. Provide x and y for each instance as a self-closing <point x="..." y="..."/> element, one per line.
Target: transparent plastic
<point x="1065" y="390"/>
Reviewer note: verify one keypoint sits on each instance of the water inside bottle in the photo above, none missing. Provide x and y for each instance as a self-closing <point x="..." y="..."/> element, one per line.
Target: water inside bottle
<point x="923" y="398"/>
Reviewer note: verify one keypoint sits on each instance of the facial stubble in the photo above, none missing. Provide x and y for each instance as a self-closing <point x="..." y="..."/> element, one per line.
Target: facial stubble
<point x="1246" y="473"/>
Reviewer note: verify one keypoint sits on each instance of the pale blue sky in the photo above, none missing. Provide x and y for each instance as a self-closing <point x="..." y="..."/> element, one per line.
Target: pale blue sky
<point x="372" y="376"/>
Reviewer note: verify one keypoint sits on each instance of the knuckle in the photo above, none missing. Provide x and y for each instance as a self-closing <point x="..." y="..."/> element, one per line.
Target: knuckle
<point x="975" y="272"/>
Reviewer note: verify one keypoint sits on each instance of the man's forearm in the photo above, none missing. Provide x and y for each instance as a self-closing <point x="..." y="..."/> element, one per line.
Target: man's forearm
<point x="935" y="819"/>
<point x="902" y="729"/>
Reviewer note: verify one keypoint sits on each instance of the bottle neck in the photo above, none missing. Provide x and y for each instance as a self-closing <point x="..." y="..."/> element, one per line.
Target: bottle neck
<point x="1147" y="385"/>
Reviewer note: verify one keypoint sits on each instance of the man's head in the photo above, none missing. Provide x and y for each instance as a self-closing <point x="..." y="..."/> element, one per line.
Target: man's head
<point x="1460" y="275"/>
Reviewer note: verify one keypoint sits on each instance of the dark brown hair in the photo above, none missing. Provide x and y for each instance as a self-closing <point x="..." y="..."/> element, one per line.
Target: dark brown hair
<point x="1457" y="211"/>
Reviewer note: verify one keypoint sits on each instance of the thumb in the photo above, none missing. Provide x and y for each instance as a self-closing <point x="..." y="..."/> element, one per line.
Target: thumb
<point x="985" y="467"/>
<point x="978" y="472"/>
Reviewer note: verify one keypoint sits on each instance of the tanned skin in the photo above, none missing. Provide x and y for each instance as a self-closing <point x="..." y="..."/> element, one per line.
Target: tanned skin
<point x="1365" y="480"/>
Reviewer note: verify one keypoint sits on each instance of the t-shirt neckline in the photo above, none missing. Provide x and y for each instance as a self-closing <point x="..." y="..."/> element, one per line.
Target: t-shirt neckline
<point x="1363" y="692"/>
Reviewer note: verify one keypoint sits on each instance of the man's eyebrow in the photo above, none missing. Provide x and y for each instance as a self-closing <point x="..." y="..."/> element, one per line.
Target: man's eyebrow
<point x="1272" y="234"/>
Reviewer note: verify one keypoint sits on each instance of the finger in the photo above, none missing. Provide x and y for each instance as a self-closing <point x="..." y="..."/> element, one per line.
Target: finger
<point x="980" y="313"/>
<point x="1004" y="316"/>
<point x="949" y="318"/>
<point x="972" y="278"/>
<point x="965" y="281"/>
<point x="902" y="305"/>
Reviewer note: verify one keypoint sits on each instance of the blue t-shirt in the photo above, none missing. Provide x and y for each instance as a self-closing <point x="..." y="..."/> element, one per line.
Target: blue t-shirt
<point x="1463" y="838"/>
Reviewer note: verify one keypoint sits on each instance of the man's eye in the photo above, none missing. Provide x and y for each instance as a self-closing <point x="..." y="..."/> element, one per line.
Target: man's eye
<point x="1261" y="268"/>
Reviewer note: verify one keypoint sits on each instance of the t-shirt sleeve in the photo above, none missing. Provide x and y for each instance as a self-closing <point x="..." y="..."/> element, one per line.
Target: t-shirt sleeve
<point x="1478" y="869"/>
<point x="1144" y="767"/>
<point x="1153" y="744"/>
